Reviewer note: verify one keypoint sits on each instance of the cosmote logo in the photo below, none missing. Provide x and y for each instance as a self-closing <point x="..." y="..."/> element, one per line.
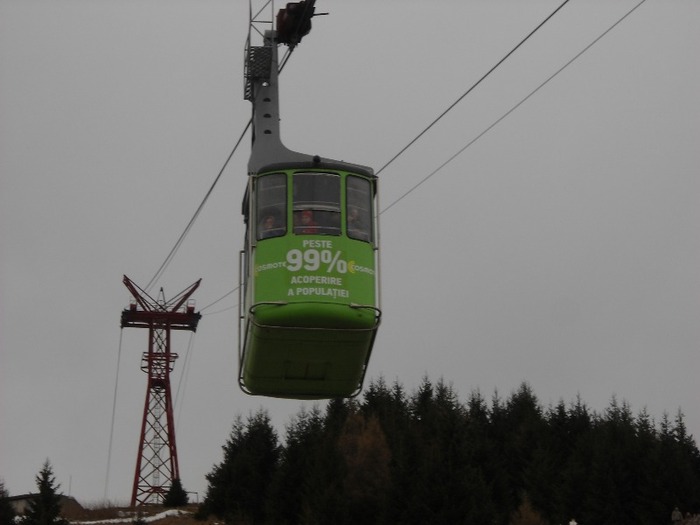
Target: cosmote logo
<point x="353" y="267"/>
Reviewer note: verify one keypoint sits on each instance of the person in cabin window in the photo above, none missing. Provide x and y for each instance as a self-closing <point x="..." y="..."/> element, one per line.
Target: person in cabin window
<point x="270" y="227"/>
<point x="306" y="224"/>
<point x="356" y="227"/>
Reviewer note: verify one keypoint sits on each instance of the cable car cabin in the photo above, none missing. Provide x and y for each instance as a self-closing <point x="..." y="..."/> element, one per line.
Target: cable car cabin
<point x="309" y="269"/>
<point x="309" y="277"/>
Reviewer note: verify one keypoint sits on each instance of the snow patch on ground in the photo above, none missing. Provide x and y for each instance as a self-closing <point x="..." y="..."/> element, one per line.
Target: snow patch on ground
<point x="129" y="517"/>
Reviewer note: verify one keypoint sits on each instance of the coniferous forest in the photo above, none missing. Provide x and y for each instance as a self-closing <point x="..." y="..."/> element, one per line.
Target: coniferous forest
<point x="426" y="457"/>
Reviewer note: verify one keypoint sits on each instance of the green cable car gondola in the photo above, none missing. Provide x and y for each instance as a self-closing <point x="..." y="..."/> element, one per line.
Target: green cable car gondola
<point x="309" y="269"/>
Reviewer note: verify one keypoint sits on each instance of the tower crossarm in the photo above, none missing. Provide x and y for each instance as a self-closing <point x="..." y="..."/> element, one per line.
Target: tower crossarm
<point x="173" y="314"/>
<point x="134" y="318"/>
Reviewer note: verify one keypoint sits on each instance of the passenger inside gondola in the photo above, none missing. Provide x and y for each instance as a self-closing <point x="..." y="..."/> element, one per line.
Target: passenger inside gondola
<point x="304" y="222"/>
<point x="356" y="226"/>
<point x="270" y="227"/>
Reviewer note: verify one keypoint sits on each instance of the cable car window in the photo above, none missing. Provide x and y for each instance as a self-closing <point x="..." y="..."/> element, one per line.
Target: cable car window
<point x="271" y="206"/>
<point x="359" y="212"/>
<point x="316" y="203"/>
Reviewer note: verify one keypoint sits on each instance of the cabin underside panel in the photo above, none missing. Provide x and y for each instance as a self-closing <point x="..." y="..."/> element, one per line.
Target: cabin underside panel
<point x="305" y="363"/>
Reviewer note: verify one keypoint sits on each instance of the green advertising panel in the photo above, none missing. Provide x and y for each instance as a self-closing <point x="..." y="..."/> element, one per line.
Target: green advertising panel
<point x="301" y="269"/>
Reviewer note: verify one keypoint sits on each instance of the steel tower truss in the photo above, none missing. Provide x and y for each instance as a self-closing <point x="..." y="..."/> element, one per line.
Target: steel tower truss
<point x="156" y="462"/>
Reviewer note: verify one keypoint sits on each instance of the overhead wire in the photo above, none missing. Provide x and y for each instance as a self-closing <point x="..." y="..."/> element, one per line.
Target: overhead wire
<point x="283" y="63"/>
<point x="219" y="299"/>
<point x="182" y="383"/>
<point x="187" y="229"/>
<point x="513" y="108"/>
<point x="114" y="411"/>
<point x="224" y="309"/>
<point x="460" y="98"/>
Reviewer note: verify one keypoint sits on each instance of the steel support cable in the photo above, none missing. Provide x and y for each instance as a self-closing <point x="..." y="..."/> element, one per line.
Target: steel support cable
<point x="224" y="309"/>
<point x="175" y="248"/>
<point x="516" y="106"/>
<point x="179" y="241"/>
<point x="471" y="88"/>
<point x="184" y="376"/>
<point x="285" y="59"/>
<point x="181" y="380"/>
<point x="114" y="410"/>
<point x="219" y="299"/>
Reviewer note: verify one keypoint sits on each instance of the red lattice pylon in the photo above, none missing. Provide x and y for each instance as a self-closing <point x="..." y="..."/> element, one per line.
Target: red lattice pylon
<point x="156" y="462"/>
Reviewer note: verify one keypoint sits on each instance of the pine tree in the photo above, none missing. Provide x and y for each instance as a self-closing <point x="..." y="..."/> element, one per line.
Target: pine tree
<point x="7" y="511"/>
<point x="322" y="496"/>
<point x="45" y="507"/>
<point x="292" y="480"/>
<point x="238" y="487"/>
<point x="176" y="496"/>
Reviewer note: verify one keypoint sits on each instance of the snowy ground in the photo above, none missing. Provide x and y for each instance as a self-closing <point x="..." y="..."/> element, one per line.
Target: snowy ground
<point x="130" y="516"/>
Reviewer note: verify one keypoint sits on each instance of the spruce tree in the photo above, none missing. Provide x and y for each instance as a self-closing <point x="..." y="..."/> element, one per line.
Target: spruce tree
<point x="7" y="511"/>
<point x="176" y="496"/>
<point x="45" y="507"/>
<point x="292" y="481"/>
<point x="238" y="486"/>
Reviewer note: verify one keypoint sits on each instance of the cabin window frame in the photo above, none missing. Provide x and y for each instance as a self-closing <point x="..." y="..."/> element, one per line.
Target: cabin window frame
<point x="271" y="202"/>
<point x="316" y="203"/>
<point x="359" y="203"/>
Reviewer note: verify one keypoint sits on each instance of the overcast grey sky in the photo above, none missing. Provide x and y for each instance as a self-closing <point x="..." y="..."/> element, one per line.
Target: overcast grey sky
<point x="561" y="248"/>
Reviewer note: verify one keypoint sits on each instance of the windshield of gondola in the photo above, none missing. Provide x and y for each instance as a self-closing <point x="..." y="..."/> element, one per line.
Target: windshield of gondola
<point x="316" y="202"/>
